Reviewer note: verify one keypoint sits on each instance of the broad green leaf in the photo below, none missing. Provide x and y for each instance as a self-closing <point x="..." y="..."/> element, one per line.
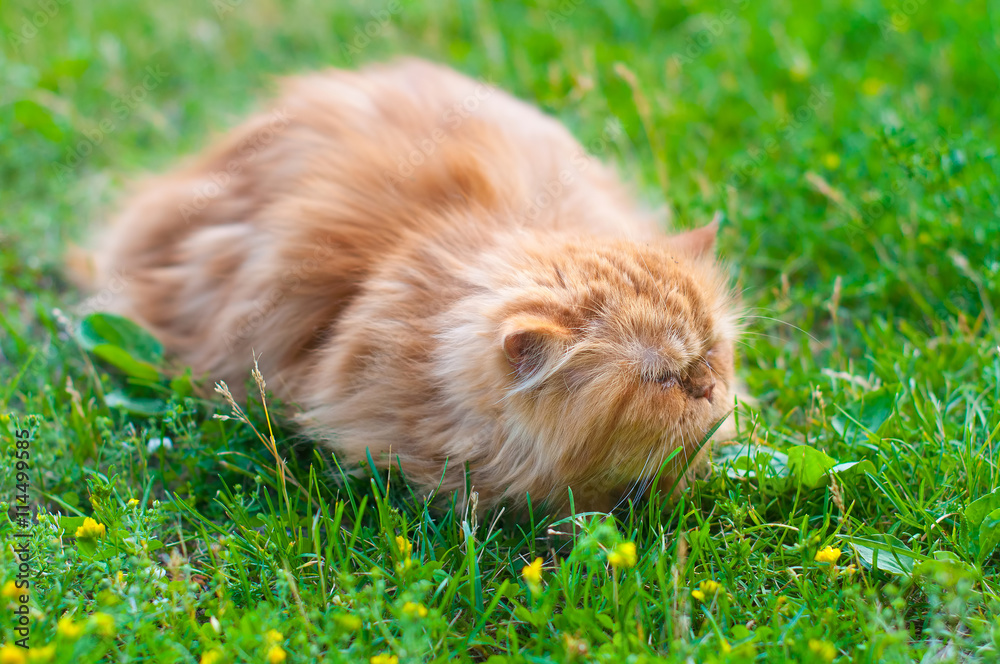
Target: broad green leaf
<point x="130" y="366"/>
<point x="71" y="523"/>
<point x="944" y="571"/>
<point x="135" y="405"/>
<point x="103" y="328"/>
<point x="809" y="466"/>
<point x="741" y="632"/>
<point x="34" y="116"/>
<point x="606" y="621"/>
<point x="852" y="469"/>
<point x="874" y="410"/>
<point x="889" y="555"/>
<point x="68" y="68"/>
<point x="972" y="519"/>
<point x="979" y="508"/>
<point x="877" y="407"/>
<point x="989" y="535"/>
<point x="806" y="465"/>
<point x="745" y="460"/>
<point x="181" y="385"/>
<point x="88" y="547"/>
<point x="947" y="556"/>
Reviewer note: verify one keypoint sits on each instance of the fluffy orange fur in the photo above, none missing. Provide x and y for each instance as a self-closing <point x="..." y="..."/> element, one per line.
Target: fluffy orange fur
<point x="434" y="271"/>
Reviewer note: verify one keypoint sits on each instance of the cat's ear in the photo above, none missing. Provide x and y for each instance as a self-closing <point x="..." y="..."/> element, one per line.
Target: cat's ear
<point x="700" y="241"/>
<point x="530" y="341"/>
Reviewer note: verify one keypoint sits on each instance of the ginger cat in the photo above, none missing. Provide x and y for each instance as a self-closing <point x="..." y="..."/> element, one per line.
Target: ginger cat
<point x="432" y="270"/>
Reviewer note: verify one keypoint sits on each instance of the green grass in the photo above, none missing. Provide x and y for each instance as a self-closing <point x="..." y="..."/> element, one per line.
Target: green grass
<point x="853" y="150"/>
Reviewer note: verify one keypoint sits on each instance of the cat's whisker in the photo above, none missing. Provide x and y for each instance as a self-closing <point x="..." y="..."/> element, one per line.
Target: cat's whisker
<point x="635" y="483"/>
<point x="778" y="320"/>
<point x="672" y="463"/>
<point x="665" y="451"/>
<point x="684" y="453"/>
<point x="761" y="335"/>
<point x="710" y="367"/>
<point x="755" y="333"/>
<point x="647" y="485"/>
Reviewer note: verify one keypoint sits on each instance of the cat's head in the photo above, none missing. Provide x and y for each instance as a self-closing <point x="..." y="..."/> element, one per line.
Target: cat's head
<point x="616" y="354"/>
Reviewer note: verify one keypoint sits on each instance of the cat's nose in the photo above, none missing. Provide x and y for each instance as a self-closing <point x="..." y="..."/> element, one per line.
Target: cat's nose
<point x="705" y="391"/>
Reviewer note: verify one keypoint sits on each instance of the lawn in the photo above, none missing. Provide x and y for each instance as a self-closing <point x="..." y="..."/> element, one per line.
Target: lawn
<point x="852" y="151"/>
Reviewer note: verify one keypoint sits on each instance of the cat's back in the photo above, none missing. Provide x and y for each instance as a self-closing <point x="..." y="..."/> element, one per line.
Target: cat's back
<point x="261" y="241"/>
<point x="424" y="137"/>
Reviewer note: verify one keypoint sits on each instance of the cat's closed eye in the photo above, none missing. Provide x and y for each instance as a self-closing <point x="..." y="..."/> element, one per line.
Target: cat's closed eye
<point x="666" y="380"/>
<point x="698" y="384"/>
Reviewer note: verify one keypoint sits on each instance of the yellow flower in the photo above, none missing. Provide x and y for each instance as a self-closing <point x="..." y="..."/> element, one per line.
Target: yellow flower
<point x="276" y="655"/>
<point x="213" y="656"/>
<point x="90" y="529"/>
<point x="707" y="588"/>
<point x="823" y="649"/>
<point x="11" y="655"/>
<point x="135" y="503"/>
<point x="120" y="577"/>
<point x="850" y="570"/>
<point x="274" y="636"/>
<point x="831" y="160"/>
<point x="623" y="555"/>
<point x="827" y="555"/>
<point x="10" y="590"/>
<point x="350" y="623"/>
<point x="103" y="624"/>
<point x="383" y="658"/>
<point x="533" y="573"/>
<point x="44" y="654"/>
<point x="67" y="628"/>
<point x="404" y="546"/>
<point x="414" y="609"/>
